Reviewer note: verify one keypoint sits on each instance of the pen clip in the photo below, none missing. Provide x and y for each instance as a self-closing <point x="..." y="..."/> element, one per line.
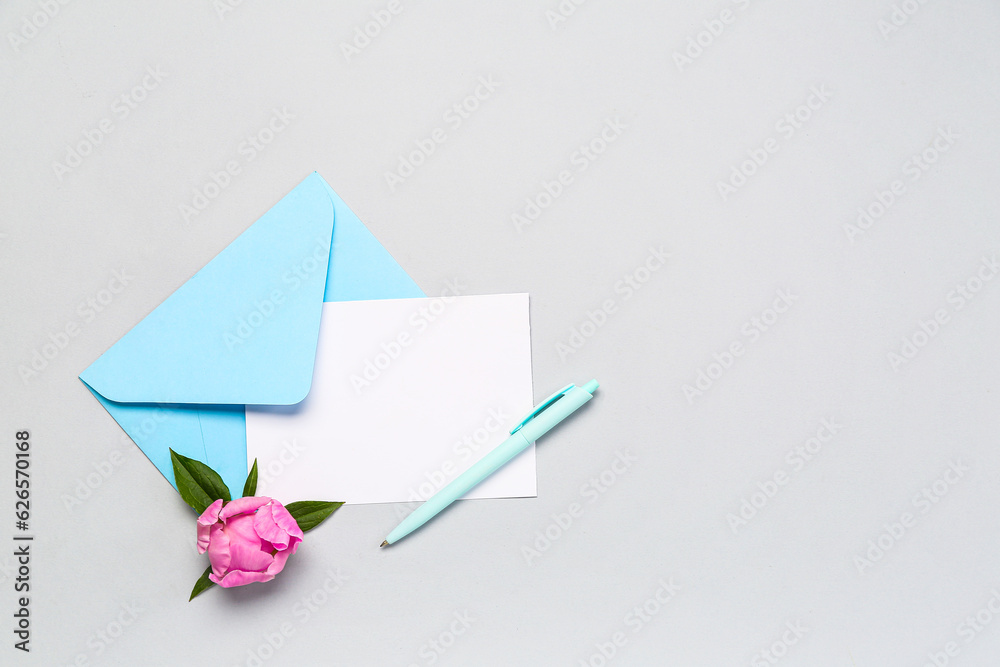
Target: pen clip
<point x="544" y="404"/>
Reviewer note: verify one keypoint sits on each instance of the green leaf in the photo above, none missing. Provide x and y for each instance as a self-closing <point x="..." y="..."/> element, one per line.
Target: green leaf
<point x="198" y="484"/>
<point x="202" y="585"/>
<point x="250" y="488"/>
<point x="310" y="513"/>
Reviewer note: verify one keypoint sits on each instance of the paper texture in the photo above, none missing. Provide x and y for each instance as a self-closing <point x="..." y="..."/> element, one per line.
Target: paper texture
<point x="406" y="394"/>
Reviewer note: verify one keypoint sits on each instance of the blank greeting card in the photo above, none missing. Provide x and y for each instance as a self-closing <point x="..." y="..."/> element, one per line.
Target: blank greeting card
<point x="406" y="394"/>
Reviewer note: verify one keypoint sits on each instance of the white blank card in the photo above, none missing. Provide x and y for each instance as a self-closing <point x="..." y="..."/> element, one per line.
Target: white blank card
<point x="406" y="394"/>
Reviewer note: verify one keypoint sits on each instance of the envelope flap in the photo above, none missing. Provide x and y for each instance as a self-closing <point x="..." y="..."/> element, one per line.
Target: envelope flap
<point x="241" y="330"/>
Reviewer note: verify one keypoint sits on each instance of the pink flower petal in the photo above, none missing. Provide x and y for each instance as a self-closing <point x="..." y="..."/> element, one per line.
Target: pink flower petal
<point x="239" y="578"/>
<point x="240" y="530"/>
<point x="202" y="538"/>
<point x="285" y="520"/>
<point x="268" y="529"/>
<point x="248" y="558"/>
<point x="280" y="559"/>
<point x="246" y="505"/>
<point x="205" y="521"/>
<point x="211" y="513"/>
<point x="218" y="549"/>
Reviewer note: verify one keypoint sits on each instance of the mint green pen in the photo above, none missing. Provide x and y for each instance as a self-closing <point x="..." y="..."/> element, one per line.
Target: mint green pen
<point x="542" y="419"/>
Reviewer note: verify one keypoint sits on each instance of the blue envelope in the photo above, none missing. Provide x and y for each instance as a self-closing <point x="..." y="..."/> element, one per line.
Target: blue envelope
<point x="243" y="330"/>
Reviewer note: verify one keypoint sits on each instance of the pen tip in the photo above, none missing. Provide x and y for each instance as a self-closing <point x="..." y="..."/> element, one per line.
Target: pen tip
<point x="384" y="543"/>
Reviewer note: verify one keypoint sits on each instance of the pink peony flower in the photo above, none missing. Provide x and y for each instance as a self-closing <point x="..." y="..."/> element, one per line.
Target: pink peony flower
<point x="248" y="540"/>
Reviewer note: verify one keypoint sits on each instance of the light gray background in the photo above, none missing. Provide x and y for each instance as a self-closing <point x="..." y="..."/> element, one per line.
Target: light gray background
<point x="130" y="542"/>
